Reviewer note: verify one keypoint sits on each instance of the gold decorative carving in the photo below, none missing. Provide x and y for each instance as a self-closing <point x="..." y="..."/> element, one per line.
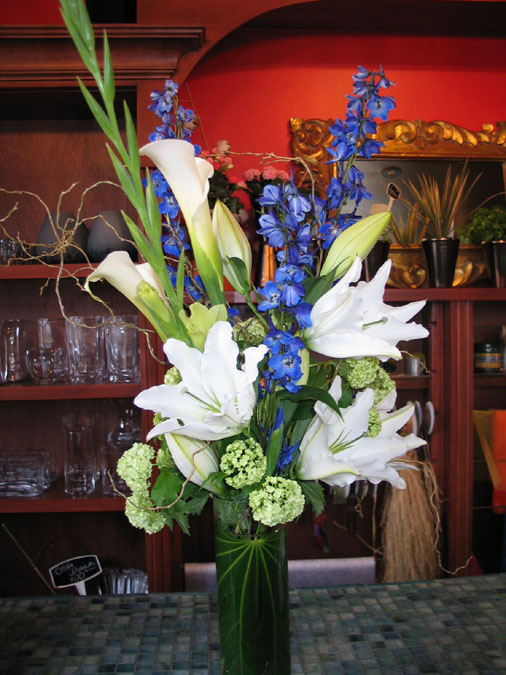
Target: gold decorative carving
<point x="441" y="139"/>
<point x="401" y="138"/>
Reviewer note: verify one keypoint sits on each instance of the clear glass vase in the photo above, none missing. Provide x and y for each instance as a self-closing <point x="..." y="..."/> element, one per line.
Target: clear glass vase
<point x="252" y="576"/>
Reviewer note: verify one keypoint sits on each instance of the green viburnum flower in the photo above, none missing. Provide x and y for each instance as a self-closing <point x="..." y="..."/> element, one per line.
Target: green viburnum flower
<point x="374" y="422"/>
<point x="140" y="513"/>
<point x="278" y="501"/>
<point x="135" y="466"/>
<point x="249" y="333"/>
<point x="172" y="376"/>
<point x="243" y="463"/>
<point x="382" y="386"/>
<point x="164" y="459"/>
<point x="359" y="373"/>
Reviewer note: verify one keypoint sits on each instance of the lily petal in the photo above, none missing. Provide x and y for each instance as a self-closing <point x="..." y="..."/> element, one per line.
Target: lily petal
<point x="193" y="458"/>
<point x="215" y="398"/>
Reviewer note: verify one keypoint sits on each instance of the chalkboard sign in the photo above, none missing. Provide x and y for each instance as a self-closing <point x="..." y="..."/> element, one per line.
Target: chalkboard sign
<point x="75" y="571"/>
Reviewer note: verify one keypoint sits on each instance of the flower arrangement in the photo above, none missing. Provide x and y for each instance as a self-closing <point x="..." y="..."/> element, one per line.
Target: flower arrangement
<point x="255" y="413"/>
<point x="238" y="391"/>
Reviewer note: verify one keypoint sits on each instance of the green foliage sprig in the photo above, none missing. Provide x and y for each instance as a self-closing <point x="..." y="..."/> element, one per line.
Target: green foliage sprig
<point x="125" y="158"/>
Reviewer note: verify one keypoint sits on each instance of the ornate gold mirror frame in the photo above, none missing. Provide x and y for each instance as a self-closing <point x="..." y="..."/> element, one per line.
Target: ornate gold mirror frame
<point x="402" y="139"/>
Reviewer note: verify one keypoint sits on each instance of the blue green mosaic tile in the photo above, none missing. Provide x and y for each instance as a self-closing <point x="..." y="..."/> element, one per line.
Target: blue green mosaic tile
<point x="444" y="626"/>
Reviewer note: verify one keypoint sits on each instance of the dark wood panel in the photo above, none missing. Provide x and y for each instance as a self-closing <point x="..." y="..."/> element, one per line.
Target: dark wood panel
<point x="50" y="538"/>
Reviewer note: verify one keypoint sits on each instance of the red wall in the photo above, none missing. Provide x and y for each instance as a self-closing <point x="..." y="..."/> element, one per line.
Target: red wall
<point x="30" y="12"/>
<point x="246" y="90"/>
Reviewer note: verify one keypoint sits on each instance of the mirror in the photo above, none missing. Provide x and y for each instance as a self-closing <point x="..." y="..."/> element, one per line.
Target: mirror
<point x="410" y="148"/>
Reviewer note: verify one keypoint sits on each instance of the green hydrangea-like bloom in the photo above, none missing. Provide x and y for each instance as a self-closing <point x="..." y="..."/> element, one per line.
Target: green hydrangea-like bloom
<point x="135" y="466"/>
<point x="278" y="501"/>
<point x="360" y="373"/>
<point x="172" y="376"/>
<point x="243" y="463"/>
<point x="164" y="459"/>
<point x="382" y="386"/>
<point x="249" y="333"/>
<point x="140" y="513"/>
<point x="374" y="422"/>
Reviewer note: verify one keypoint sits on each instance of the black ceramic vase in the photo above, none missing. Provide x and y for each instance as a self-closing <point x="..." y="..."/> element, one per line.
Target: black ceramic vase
<point x="495" y="252"/>
<point x="54" y="230"/>
<point x="109" y="232"/>
<point x="441" y="258"/>
<point x="375" y="259"/>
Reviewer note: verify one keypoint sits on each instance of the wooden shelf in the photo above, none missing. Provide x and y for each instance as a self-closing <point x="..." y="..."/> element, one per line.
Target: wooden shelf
<point x="55" y="500"/>
<point x="411" y="381"/>
<point x="492" y="380"/>
<point x="467" y="294"/>
<point x="57" y="392"/>
<point x="40" y="271"/>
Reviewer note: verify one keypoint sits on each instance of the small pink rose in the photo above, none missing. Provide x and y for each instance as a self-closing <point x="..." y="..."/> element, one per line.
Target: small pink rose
<point x="269" y="173"/>
<point x="252" y="174"/>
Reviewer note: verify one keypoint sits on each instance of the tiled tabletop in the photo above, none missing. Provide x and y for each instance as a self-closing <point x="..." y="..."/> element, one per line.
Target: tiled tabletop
<point x="445" y="626"/>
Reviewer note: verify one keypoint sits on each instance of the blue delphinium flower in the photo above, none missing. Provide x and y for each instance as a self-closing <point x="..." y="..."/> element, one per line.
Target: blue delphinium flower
<point x="286" y="455"/>
<point x="284" y="363"/>
<point x="272" y="294"/>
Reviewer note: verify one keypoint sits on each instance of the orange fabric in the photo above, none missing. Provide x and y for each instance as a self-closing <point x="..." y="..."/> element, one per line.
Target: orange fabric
<point x="498" y="446"/>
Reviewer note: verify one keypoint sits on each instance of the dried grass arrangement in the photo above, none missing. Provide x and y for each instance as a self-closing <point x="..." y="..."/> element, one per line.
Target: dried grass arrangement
<point x="410" y="526"/>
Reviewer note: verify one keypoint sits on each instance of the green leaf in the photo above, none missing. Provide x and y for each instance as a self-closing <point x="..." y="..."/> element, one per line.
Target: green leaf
<point x="96" y="109"/>
<point x="166" y="488"/>
<point x="133" y="148"/>
<point x="313" y="492"/>
<point x="109" y="89"/>
<point x="316" y="286"/>
<point x="273" y="449"/>
<point x="253" y="602"/>
<point x="307" y="392"/>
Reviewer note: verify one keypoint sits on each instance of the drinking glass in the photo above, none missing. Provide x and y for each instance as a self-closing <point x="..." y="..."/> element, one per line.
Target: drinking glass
<point x="44" y="366"/>
<point x="80" y="468"/>
<point x="85" y="349"/>
<point x="122" y="349"/>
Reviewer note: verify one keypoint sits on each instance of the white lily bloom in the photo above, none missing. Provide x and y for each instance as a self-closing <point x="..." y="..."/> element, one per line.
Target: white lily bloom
<point x="353" y="321"/>
<point x="194" y="459"/>
<point x="188" y="177"/>
<point x="362" y="458"/>
<point x="215" y="398"/>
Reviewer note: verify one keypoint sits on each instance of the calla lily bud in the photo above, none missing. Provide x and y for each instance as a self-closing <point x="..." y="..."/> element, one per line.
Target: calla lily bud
<point x="356" y="240"/>
<point x="232" y="244"/>
<point x="201" y="320"/>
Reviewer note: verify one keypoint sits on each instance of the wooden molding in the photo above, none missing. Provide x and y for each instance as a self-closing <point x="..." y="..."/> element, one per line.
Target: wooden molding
<point x="401" y="139"/>
<point x="35" y="56"/>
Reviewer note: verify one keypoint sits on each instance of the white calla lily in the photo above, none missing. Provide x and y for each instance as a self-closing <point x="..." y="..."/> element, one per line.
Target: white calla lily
<point x="188" y="177"/>
<point x="194" y="459"/>
<point x="215" y="398"/>
<point x="336" y="450"/>
<point x="353" y="321"/>
<point x="119" y="271"/>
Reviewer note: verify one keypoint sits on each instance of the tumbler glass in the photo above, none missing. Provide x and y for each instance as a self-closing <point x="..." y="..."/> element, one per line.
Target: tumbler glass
<point x="122" y="349"/>
<point x="80" y="468"/>
<point x="85" y="349"/>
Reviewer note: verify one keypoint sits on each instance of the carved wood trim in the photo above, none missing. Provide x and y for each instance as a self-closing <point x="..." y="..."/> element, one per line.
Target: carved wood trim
<point x="401" y="138"/>
<point x="33" y="56"/>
